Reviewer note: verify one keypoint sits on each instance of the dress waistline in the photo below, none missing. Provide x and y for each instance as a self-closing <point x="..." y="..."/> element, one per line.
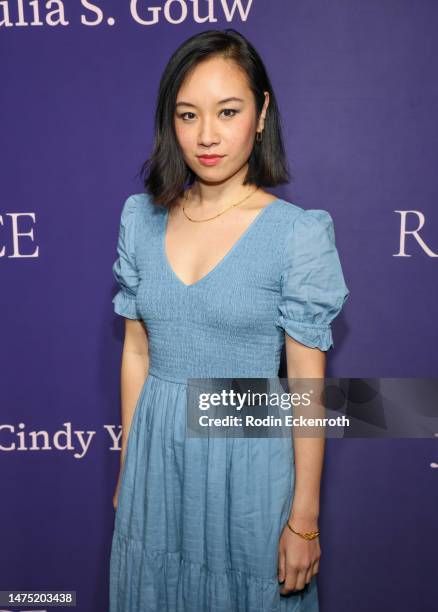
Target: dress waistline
<point x="185" y="379"/>
<point x="171" y="378"/>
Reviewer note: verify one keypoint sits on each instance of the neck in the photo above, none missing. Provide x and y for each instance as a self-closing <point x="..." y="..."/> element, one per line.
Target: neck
<point x="211" y="197"/>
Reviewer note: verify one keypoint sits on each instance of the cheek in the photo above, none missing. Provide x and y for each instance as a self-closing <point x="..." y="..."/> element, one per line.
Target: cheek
<point x="241" y="135"/>
<point x="183" y="136"/>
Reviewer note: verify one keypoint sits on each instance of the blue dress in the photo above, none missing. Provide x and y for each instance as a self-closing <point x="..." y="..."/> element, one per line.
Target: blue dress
<point x="199" y="520"/>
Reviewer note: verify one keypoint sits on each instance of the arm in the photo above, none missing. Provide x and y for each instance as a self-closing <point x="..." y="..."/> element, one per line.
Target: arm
<point x="135" y="354"/>
<point x="299" y="558"/>
<point x="134" y="371"/>
<point x="305" y="362"/>
<point x="313" y="292"/>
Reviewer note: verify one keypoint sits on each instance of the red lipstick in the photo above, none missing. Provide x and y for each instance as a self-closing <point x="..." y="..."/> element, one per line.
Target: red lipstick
<point x="210" y="160"/>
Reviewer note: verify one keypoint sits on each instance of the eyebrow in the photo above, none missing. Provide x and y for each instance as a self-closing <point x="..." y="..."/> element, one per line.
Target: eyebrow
<point x="232" y="99"/>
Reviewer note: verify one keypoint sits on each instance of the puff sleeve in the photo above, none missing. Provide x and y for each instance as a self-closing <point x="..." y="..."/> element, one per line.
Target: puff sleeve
<point x="124" y="268"/>
<point x="313" y="288"/>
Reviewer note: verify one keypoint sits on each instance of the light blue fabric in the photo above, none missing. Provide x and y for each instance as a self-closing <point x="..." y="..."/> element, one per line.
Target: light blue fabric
<point x="313" y="287"/>
<point x="199" y="519"/>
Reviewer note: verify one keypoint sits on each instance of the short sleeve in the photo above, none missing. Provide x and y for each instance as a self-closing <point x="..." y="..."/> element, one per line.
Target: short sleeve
<point x="313" y="288"/>
<point x="124" y="268"/>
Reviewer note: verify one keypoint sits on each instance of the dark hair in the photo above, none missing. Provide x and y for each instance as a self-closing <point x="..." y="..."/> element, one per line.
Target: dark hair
<point x="165" y="174"/>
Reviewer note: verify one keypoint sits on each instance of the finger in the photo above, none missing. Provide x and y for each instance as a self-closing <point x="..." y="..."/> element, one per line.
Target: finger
<point x="315" y="568"/>
<point x="281" y="567"/>
<point x="301" y="580"/>
<point x="309" y="574"/>
<point x="291" y="578"/>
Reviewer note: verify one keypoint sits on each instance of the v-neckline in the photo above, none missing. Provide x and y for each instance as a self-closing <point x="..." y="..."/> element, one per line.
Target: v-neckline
<point x="221" y="261"/>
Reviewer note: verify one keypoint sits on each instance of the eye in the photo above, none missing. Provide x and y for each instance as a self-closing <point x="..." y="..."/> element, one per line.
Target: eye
<point x="225" y="110"/>
<point x="232" y="110"/>
<point x="181" y="115"/>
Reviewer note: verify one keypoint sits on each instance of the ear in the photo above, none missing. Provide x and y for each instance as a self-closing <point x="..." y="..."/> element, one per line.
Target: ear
<point x="261" y="123"/>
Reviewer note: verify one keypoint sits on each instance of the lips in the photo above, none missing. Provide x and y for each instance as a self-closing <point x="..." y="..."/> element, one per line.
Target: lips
<point x="209" y="160"/>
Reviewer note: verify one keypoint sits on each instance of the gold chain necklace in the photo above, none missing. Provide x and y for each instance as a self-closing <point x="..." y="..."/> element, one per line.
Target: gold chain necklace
<point x="221" y="213"/>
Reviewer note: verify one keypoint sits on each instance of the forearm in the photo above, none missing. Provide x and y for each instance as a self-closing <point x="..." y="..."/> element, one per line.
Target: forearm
<point x="306" y="371"/>
<point x="134" y="371"/>
<point x="309" y="458"/>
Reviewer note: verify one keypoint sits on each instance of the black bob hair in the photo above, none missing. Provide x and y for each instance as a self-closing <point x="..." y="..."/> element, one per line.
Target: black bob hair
<point x="165" y="174"/>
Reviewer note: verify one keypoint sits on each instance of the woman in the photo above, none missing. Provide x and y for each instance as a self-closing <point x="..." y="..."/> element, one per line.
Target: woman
<point x="216" y="275"/>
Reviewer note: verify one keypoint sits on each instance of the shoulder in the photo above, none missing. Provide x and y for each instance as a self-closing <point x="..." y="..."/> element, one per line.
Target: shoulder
<point x="141" y="205"/>
<point x="290" y="211"/>
<point x="310" y="217"/>
<point x="142" y="218"/>
<point x="139" y="209"/>
<point x="306" y="223"/>
<point x="136" y="201"/>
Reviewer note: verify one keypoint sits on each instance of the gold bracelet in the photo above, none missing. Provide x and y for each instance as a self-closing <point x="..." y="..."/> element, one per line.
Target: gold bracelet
<point x="310" y="535"/>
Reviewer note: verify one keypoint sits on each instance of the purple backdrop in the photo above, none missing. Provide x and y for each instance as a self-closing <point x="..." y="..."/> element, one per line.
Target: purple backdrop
<point x="356" y="85"/>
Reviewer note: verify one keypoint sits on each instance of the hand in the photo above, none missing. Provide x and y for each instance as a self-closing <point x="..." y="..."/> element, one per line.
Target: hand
<point x="298" y="560"/>
<point x="115" y="500"/>
<point x="116" y="494"/>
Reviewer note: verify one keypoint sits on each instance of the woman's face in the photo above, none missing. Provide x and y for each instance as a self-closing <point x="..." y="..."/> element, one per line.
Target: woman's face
<point x="207" y="122"/>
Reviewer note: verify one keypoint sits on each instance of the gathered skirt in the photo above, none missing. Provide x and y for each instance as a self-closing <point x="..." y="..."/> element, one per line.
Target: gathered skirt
<point x="199" y="520"/>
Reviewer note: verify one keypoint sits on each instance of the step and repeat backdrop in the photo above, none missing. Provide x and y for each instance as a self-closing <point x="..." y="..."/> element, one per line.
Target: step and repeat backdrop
<point x="355" y="82"/>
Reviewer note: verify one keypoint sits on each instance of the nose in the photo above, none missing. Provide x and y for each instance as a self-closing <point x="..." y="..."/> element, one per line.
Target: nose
<point x="208" y="133"/>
